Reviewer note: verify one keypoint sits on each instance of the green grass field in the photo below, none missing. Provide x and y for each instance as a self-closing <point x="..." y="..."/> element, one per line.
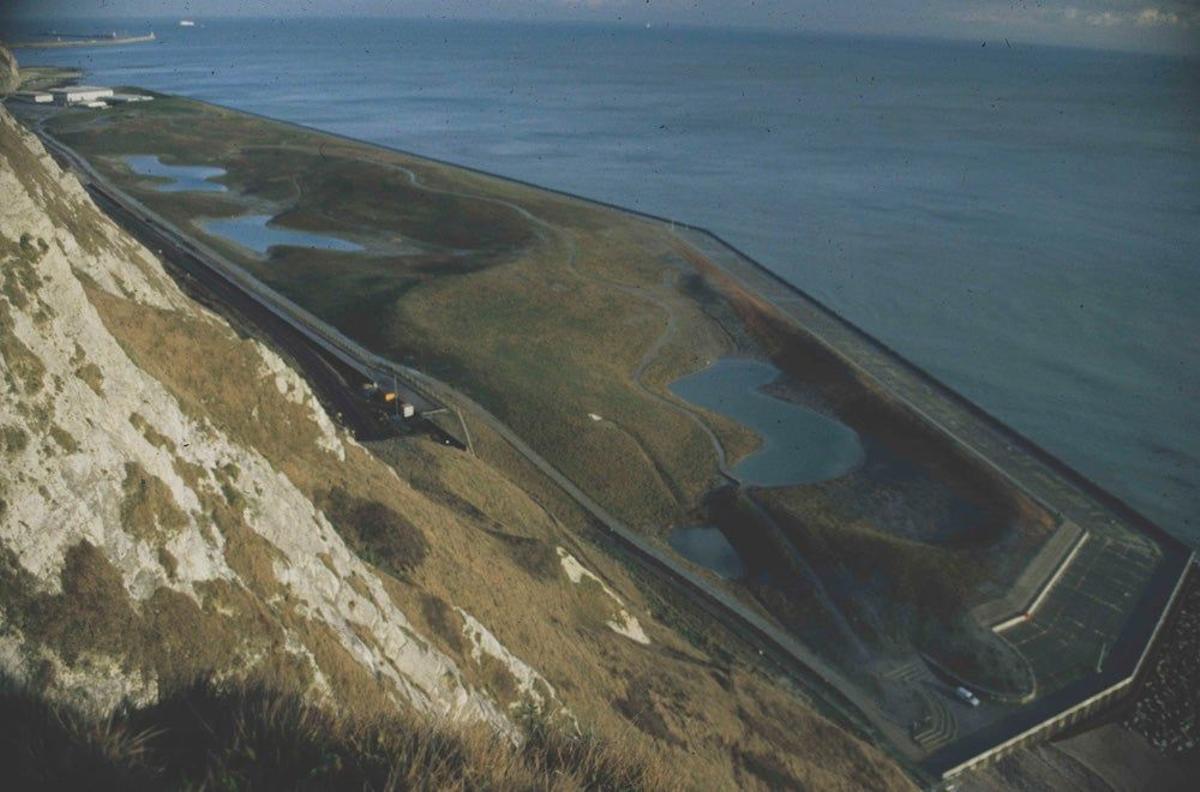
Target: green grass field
<point x="518" y="298"/>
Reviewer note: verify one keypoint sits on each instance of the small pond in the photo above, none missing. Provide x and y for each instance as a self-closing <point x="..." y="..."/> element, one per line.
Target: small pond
<point x="708" y="547"/>
<point x="184" y="178"/>
<point x="800" y="446"/>
<point x="255" y="233"/>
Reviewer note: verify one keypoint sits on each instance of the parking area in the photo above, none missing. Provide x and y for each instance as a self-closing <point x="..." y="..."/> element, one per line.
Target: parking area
<point x="1084" y="613"/>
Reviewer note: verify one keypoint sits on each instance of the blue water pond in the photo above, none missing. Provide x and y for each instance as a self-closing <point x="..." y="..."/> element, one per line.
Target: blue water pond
<point x="183" y="178"/>
<point x="708" y="547"/>
<point x="255" y="233"/>
<point x="800" y="446"/>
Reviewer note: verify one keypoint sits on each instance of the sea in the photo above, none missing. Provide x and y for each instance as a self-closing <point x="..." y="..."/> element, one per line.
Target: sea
<point x="1022" y="221"/>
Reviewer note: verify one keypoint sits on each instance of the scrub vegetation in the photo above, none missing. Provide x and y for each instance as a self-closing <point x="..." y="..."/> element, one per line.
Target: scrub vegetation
<point x="375" y="532"/>
<point x="204" y="735"/>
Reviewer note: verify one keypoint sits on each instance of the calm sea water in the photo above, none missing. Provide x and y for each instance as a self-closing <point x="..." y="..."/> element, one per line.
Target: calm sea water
<point x="1024" y="222"/>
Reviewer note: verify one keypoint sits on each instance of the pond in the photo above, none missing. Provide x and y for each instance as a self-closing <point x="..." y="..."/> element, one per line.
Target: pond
<point x="708" y="547"/>
<point x="193" y="178"/>
<point x="799" y="446"/>
<point x="255" y="233"/>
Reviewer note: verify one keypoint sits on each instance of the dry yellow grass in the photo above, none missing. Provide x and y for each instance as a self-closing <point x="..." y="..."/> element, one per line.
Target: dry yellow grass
<point x="468" y="509"/>
<point x="240" y="736"/>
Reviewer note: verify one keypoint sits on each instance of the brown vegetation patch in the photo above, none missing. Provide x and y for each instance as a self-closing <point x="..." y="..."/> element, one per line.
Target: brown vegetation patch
<point x="359" y="586"/>
<point x="13" y="439"/>
<point x="642" y="706"/>
<point x="358" y="690"/>
<point x="92" y="376"/>
<point x="498" y="679"/>
<point x="148" y="509"/>
<point x="65" y="440"/>
<point x="538" y="558"/>
<point x="593" y="607"/>
<point x="248" y="554"/>
<point x="376" y="532"/>
<point x="92" y="613"/>
<point x="23" y="369"/>
<point x="230" y="391"/>
<point x="444" y="621"/>
<point x="20" y="280"/>
<point x="169" y="563"/>
<point x="169" y="635"/>
<point x="327" y="560"/>
<point x="768" y="769"/>
<point x="152" y="435"/>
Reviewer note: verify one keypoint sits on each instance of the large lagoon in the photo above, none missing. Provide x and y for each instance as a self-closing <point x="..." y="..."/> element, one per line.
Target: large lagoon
<point x="799" y="446"/>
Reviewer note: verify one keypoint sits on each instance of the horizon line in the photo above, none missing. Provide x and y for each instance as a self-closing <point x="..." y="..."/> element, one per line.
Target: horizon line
<point x="950" y="38"/>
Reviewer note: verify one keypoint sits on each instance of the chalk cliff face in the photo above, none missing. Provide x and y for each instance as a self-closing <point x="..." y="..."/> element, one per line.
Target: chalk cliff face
<point x="10" y="77"/>
<point x="155" y="517"/>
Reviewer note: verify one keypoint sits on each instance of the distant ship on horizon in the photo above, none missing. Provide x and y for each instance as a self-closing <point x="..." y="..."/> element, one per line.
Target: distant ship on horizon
<point x="186" y="23"/>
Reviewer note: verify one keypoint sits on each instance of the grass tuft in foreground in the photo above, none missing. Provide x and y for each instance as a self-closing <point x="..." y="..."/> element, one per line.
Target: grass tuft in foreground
<point x="206" y="736"/>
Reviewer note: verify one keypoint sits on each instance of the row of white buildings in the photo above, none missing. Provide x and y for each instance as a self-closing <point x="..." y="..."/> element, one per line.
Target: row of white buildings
<point x="79" y="95"/>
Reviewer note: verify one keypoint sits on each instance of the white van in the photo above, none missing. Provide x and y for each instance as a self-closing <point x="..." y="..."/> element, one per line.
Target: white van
<point x="967" y="696"/>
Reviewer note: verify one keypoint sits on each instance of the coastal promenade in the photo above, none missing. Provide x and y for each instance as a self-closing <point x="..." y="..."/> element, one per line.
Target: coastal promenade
<point x="1154" y="563"/>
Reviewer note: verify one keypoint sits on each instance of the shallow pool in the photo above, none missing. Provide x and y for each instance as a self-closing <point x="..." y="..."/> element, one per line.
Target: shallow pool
<point x="800" y="446"/>
<point x="708" y="547"/>
<point x="255" y="233"/>
<point x="184" y="178"/>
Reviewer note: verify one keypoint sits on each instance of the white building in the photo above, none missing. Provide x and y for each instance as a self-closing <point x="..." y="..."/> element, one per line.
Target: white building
<point x="127" y="98"/>
<point x="33" y="97"/>
<point x="78" y="94"/>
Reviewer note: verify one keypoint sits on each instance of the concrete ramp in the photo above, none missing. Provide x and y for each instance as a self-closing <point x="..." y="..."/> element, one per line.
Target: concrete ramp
<point x="1030" y="588"/>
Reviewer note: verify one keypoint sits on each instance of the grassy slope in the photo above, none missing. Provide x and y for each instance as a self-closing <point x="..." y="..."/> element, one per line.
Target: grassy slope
<point x="486" y="548"/>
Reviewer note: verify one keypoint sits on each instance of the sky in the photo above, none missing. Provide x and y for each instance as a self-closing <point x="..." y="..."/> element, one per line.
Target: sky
<point x="1156" y="25"/>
